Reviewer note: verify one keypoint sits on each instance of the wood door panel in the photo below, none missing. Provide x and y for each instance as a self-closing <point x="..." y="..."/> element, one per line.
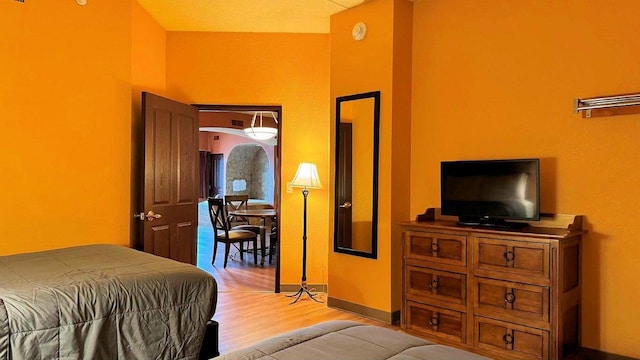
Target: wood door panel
<point x="344" y="192"/>
<point x="183" y="247"/>
<point x="217" y="174"/>
<point x="186" y="156"/>
<point x="161" y="170"/>
<point x="160" y="240"/>
<point x="171" y="178"/>
<point x="203" y="191"/>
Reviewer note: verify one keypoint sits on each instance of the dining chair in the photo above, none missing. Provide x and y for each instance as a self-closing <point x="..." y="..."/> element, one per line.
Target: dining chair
<point x="222" y="232"/>
<point x="239" y="202"/>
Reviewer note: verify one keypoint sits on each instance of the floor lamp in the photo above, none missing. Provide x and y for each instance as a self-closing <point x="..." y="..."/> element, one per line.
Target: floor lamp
<point x="306" y="178"/>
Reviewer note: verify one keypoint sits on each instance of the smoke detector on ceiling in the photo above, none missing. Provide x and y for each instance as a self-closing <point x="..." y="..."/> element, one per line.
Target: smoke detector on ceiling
<point x="359" y="31"/>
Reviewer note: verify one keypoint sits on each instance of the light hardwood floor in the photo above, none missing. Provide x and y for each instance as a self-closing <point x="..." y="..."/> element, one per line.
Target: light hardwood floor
<point x="239" y="275"/>
<point x="248" y="310"/>
<point x="248" y="317"/>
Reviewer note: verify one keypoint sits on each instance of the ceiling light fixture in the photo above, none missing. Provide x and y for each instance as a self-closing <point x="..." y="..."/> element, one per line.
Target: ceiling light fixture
<point x="261" y="132"/>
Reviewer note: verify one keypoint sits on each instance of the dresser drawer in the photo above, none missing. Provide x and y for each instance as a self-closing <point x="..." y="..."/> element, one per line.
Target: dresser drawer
<point x="509" y="340"/>
<point x="510" y="259"/>
<point x="439" y="248"/>
<point x="433" y="321"/>
<point x="425" y="284"/>
<point x="512" y="301"/>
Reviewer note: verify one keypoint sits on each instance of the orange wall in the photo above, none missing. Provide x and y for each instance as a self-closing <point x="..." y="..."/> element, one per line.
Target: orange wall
<point x="65" y="95"/>
<point x="400" y="170"/>
<point x="148" y="53"/>
<point x="496" y="79"/>
<point x="291" y="70"/>
<point x="382" y="61"/>
<point x="357" y="67"/>
<point x="148" y="73"/>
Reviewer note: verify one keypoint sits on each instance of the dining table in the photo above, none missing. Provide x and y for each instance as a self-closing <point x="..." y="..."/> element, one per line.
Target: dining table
<point x="266" y="217"/>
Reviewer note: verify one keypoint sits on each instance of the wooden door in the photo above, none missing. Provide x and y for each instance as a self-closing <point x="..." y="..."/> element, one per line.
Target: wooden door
<point x="217" y="174"/>
<point x="344" y="192"/>
<point x="170" y="195"/>
<point x="205" y="174"/>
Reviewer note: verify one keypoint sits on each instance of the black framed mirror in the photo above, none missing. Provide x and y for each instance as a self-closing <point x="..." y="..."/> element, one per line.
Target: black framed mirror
<point x="356" y="182"/>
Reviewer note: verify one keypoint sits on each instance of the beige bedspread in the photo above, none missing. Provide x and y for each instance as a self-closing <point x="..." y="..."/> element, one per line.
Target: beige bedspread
<point x="348" y="340"/>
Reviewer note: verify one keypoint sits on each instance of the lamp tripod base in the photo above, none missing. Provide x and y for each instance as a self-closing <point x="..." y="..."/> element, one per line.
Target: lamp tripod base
<point x="304" y="290"/>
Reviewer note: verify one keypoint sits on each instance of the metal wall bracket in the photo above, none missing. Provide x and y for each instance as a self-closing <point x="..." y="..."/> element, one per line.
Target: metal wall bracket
<point x="608" y="105"/>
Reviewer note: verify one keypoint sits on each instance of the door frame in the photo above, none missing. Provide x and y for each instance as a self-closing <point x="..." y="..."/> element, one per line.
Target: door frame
<point x="277" y="173"/>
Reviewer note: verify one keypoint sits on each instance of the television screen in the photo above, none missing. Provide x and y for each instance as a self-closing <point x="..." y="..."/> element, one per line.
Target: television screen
<point x="487" y="192"/>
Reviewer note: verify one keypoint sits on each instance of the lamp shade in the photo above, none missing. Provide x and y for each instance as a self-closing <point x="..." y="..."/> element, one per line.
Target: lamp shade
<point x="306" y="177"/>
<point x="261" y="132"/>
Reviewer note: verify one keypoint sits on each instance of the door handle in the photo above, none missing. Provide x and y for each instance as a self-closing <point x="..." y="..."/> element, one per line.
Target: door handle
<point x="149" y="216"/>
<point x="346" y="205"/>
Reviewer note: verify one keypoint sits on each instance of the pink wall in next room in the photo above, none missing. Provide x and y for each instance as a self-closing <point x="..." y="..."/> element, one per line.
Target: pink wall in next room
<point x="226" y="143"/>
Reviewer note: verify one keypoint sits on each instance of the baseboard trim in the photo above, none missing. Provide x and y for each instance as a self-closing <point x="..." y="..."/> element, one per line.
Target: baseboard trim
<point x="385" y="317"/>
<point x="295" y="287"/>
<point x="591" y="354"/>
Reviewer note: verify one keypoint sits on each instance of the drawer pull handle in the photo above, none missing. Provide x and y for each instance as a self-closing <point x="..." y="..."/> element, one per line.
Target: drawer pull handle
<point x="434" y="321"/>
<point x="434" y="247"/>
<point x="508" y="339"/>
<point x="435" y="283"/>
<point x="509" y="298"/>
<point x="509" y="256"/>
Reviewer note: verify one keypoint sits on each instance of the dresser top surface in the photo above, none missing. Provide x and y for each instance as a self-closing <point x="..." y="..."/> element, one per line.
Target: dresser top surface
<point x="530" y="231"/>
<point x="550" y="226"/>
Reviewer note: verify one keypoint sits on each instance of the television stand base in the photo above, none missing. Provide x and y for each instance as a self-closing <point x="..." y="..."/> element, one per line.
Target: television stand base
<point x="492" y="223"/>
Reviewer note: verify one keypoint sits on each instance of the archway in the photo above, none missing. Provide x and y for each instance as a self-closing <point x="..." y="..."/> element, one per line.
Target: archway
<point x="249" y="171"/>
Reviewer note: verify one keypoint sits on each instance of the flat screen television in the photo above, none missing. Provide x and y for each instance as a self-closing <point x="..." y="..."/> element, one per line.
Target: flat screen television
<point x="491" y="192"/>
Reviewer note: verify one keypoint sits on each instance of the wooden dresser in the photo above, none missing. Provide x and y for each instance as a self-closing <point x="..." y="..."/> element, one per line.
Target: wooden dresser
<point x="512" y="294"/>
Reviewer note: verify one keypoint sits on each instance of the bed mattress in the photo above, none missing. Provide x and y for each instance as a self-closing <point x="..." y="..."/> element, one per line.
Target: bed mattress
<point x="102" y="302"/>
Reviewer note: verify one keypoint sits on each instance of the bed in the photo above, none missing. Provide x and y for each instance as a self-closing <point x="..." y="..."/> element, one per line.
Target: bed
<point x="348" y="340"/>
<point x="102" y="302"/>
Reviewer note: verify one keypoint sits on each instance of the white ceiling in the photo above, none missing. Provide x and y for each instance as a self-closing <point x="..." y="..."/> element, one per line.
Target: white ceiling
<point x="285" y="16"/>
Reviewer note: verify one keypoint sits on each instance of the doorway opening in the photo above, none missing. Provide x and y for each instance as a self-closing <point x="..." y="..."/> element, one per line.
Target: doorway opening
<point x="232" y="163"/>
